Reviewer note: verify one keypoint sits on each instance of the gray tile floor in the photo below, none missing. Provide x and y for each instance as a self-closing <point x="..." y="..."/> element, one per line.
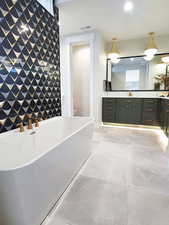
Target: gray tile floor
<point x="125" y="182"/>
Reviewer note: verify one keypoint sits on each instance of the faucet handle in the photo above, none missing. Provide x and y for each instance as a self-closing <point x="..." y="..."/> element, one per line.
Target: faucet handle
<point x="29" y="116"/>
<point x="21" y="127"/>
<point x="1" y="123"/>
<point x="36" y="122"/>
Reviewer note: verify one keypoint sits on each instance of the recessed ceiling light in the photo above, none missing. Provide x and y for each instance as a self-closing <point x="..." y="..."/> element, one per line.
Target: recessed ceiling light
<point x="128" y="6"/>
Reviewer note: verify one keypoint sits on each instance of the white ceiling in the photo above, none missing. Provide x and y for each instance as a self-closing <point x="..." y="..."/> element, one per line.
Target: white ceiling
<point x="108" y="17"/>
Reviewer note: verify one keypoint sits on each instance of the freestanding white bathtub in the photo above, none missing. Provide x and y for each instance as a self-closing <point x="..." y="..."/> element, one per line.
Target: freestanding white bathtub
<point x="36" y="167"/>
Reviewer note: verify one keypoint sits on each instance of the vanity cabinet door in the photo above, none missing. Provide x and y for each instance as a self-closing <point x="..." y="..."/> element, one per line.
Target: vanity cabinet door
<point x="108" y="110"/>
<point x="162" y="114"/>
<point x="122" y="113"/>
<point x="167" y="123"/>
<point x="150" y="112"/>
<point x="165" y="116"/>
<point x="135" y="111"/>
<point x="128" y="111"/>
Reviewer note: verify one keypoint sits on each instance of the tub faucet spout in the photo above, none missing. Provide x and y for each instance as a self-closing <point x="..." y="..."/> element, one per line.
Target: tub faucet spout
<point x="30" y="127"/>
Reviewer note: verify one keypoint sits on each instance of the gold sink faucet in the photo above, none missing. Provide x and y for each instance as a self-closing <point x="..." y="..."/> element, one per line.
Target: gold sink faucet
<point x="130" y="93"/>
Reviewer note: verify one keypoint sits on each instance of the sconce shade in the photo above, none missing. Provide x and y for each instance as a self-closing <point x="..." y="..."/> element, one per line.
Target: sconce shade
<point x="165" y="59"/>
<point x="151" y="48"/>
<point x="115" y="61"/>
<point x="149" y="57"/>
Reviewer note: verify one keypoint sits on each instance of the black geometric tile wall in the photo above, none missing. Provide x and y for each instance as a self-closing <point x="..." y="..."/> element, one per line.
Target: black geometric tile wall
<point x="29" y="63"/>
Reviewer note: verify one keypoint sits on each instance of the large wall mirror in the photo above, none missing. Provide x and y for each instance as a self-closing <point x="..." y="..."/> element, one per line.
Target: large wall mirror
<point x="137" y="74"/>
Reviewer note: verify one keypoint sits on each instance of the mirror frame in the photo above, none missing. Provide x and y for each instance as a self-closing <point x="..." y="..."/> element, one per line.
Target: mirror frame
<point x="128" y="57"/>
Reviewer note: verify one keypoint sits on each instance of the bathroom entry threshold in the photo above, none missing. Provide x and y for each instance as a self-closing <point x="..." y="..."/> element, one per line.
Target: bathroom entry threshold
<point x="131" y="125"/>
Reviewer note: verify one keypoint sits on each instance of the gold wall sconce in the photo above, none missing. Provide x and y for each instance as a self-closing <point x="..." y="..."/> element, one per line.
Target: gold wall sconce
<point x="115" y="53"/>
<point x="151" y="48"/>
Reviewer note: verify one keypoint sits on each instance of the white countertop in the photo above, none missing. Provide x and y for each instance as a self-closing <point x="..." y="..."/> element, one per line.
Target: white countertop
<point x="104" y="96"/>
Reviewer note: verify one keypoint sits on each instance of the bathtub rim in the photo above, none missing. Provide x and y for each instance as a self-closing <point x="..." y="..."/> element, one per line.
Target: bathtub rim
<point x="90" y="121"/>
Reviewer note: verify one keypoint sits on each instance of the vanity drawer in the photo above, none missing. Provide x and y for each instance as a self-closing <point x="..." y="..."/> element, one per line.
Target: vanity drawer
<point x="150" y="104"/>
<point x="149" y="115"/>
<point x="149" y="110"/>
<point x="149" y="122"/>
<point x="150" y="100"/>
<point x="108" y="100"/>
<point x="108" y="109"/>
<point x="129" y="101"/>
<point x="150" y="118"/>
<point x="108" y="104"/>
<point x="108" y="117"/>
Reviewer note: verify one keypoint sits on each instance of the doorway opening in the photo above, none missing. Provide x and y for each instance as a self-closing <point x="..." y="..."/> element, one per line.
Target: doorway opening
<point x="81" y="78"/>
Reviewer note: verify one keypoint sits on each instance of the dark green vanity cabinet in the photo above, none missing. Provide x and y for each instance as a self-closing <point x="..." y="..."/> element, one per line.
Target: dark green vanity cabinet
<point x="140" y="111"/>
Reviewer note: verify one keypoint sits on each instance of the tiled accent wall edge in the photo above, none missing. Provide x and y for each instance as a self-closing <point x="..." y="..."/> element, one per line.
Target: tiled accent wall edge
<point x="29" y="63"/>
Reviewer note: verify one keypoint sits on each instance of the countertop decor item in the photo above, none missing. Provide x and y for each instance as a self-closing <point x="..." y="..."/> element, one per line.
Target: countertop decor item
<point x="162" y="79"/>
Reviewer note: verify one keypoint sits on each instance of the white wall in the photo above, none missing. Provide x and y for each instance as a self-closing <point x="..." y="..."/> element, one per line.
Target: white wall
<point x="47" y="4"/>
<point x="135" y="47"/>
<point x="100" y="74"/>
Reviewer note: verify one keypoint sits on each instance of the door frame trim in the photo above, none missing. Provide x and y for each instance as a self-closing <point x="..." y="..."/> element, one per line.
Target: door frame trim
<point x="66" y="81"/>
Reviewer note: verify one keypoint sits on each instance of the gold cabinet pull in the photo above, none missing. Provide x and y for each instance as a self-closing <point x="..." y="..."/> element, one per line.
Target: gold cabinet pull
<point x="149" y="110"/>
